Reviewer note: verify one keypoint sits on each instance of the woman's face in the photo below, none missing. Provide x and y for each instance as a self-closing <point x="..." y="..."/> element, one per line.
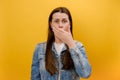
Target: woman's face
<point x="60" y="20"/>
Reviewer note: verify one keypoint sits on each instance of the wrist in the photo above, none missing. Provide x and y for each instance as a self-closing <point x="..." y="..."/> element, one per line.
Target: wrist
<point x="71" y="44"/>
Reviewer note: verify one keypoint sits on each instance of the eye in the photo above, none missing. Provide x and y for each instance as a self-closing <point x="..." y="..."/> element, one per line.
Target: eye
<point x="56" y="21"/>
<point x="64" y="21"/>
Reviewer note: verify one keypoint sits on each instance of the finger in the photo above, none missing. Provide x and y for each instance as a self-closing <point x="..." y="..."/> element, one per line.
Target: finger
<point x="57" y="35"/>
<point x="59" y="30"/>
<point x="56" y="32"/>
<point x="55" y="29"/>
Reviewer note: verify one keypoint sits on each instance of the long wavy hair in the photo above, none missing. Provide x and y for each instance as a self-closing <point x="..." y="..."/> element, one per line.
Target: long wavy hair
<point x="49" y="57"/>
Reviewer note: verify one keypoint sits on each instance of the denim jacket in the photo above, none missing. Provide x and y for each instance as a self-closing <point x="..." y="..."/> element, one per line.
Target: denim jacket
<point x="82" y="66"/>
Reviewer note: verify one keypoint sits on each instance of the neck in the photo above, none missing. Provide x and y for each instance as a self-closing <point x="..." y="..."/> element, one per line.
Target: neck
<point x="58" y="41"/>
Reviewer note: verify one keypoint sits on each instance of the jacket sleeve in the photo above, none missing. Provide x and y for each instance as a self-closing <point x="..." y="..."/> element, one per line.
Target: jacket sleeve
<point x="35" y="73"/>
<point x="81" y="63"/>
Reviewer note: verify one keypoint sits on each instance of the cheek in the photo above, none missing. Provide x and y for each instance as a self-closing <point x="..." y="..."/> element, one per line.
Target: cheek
<point x="66" y="27"/>
<point x="54" y="25"/>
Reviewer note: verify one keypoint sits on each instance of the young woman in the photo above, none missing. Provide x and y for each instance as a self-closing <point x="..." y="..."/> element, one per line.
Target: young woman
<point x="61" y="57"/>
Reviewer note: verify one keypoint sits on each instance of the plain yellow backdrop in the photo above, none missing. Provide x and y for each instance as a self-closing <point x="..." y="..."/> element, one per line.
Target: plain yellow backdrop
<point x="23" y="24"/>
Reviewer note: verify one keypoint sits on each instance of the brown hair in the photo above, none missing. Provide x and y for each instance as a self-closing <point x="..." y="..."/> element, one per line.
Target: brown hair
<point x="49" y="57"/>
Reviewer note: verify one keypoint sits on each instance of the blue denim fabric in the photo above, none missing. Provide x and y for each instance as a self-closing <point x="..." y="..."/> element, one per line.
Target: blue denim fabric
<point x="78" y="54"/>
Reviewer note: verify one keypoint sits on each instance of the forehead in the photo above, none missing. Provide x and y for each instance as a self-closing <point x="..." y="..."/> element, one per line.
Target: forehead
<point x="59" y="15"/>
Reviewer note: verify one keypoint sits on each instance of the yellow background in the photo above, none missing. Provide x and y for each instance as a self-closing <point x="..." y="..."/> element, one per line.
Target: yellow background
<point x="23" y="24"/>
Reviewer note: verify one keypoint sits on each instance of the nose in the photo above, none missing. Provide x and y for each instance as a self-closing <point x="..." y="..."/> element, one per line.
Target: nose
<point x="60" y="25"/>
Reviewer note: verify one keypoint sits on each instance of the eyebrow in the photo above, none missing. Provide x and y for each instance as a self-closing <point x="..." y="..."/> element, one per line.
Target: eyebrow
<point x="58" y="18"/>
<point x="64" y="18"/>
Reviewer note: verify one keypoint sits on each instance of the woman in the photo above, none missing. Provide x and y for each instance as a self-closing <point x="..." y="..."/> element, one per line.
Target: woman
<point x="61" y="57"/>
